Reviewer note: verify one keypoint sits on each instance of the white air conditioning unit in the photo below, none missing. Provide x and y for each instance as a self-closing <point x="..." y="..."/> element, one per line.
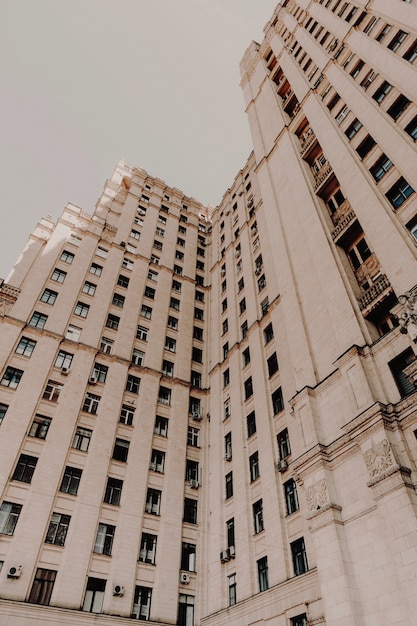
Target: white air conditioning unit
<point x="65" y="370"/>
<point x="194" y="484"/>
<point x="184" y="578"/>
<point x="14" y="571"/>
<point x="92" y="380"/>
<point x="118" y="590"/>
<point x="232" y="552"/>
<point x="282" y="465"/>
<point x="228" y="456"/>
<point x="224" y="556"/>
<point x="196" y="417"/>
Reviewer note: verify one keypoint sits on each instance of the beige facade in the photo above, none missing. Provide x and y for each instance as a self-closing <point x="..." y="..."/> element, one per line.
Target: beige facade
<point x="209" y="416"/>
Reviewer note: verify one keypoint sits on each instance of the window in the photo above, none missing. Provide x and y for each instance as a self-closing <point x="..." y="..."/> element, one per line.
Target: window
<point x="200" y="265"/>
<point x="299" y="620"/>
<point x="228" y="479"/>
<point x="411" y="128"/>
<point x="277" y="401"/>
<point x="172" y="322"/>
<point x="188" y="556"/>
<point x="354" y="127"/>
<point x="82" y="439"/>
<point x="224" y="305"/>
<point x="291" y="497"/>
<point x="25" y="468"/>
<point x="193" y="436"/>
<point x="397" y="366"/>
<point x="248" y="388"/>
<point x="194" y="407"/>
<point x="58" y="528"/>
<point x="49" y="296"/>
<point x="230" y="531"/>
<point x="299" y="557"/>
<point x="224" y="285"/>
<point x="127" y="413"/>
<point x="91" y="403"/>
<point x="174" y="303"/>
<point x="268" y="333"/>
<point x="411" y="54"/>
<point x="81" y="309"/>
<point x="39" y="427"/>
<point x="196" y="379"/>
<point x="283" y="441"/>
<point x="185" y="610"/>
<point x="265" y="306"/>
<point x="179" y="255"/>
<point x="89" y="288"/>
<point x="135" y="234"/>
<point x="67" y="257"/>
<point x="263" y="573"/>
<point x="398" y="107"/>
<point x="251" y="423"/>
<point x="58" y="275"/>
<point x="3" y="411"/>
<point x="149" y="292"/>
<point x="137" y="357"/>
<point x="359" y="253"/>
<point x="132" y="384"/>
<point x="142" y="333"/>
<point x="118" y="300"/>
<point x="242" y="306"/>
<point x="94" y="595"/>
<point x="198" y="314"/>
<point x="153" y="501"/>
<point x="25" y="347"/>
<point x="42" y="586"/>
<point x="123" y="281"/>
<point x="226" y="377"/>
<point x="231" y="588"/>
<point x="102" y="252"/>
<point x="382" y="92"/>
<point x="38" y="320"/>
<point x="157" y="461"/>
<point x="170" y="344"/>
<point x="241" y="284"/>
<point x="197" y="355"/>
<point x="168" y="368"/>
<point x="71" y="480"/>
<point x="127" y="264"/>
<point x="104" y="539"/>
<point x="397" y="40"/>
<point x="225" y="326"/>
<point x="52" y="391"/>
<point x="9" y="514"/>
<point x="199" y="296"/>
<point x="258" y="516"/>
<point x="113" y="491"/>
<point x="164" y="395"/>
<point x="147" y="551"/>
<point x="381" y="167"/>
<point x="244" y="329"/>
<point x="191" y="470"/>
<point x="227" y="408"/>
<point x="190" y="511"/>
<point x="120" y="450"/>
<point x="96" y="269"/>
<point x="399" y="192"/>
<point x="200" y="252"/>
<point x="228" y="446"/>
<point x="180" y="242"/>
<point x="64" y="359"/>
<point x="100" y="372"/>
<point x="161" y="426"/>
<point x="176" y="286"/>
<point x="112" y="321"/>
<point x="254" y="466"/>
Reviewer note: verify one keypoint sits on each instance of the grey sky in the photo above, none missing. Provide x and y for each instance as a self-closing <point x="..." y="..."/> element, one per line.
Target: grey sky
<point x="86" y="82"/>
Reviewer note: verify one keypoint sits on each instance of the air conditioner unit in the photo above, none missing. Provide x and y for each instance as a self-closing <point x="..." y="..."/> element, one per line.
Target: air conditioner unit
<point x="194" y="484"/>
<point x="196" y="417"/>
<point x="92" y="380"/>
<point x="224" y="556"/>
<point x="14" y="571"/>
<point x="232" y="552"/>
<point x="184" y="578"/>
<point x="282" y="465"/>
<point x="118" y="590"/>
<point x="65" y="370"/>
<point x="228" y="456"/>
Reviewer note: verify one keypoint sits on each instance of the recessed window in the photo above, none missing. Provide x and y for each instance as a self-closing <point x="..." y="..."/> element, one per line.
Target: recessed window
<point x="291" y="497"/>
<point x="228" y="480"/>
<point x="365" y="146"/>
<point x="277" y="401"/>
<point x="39" y="427"/>
<point x="190" y="511"/>
<point x="25" y="468"/>
<point x="118" y="300"/>
<point x="198" y="314"/>
<point x="191" y="470"/>
<point x="149" y="292"/>
<point x="94" y="595"/>
<point x="172" y="322"/>
<point x="112" y="321"/>
<point x="263" y="573"/>
<point x="198" y="333"/>
<point x="25" y="347"/>
<point x="11" y="377"/>
<point x="164" y="395"/>
<point x="381" y="93"/>
<point x="123" y="281"/>
<point x="193" y="436"/>
<point x="9" y="515"/>
<point x="63" y="359"/>
<point x="137" y="357"/>
<point x="89" y="288"/>
<point x="258" y="516"/>
<point x="127" y="414"/>
<point x="170" y="344"/>
<point x="38" y="320"/>
<point x="142" y="333"/>
<point x="381" y="167"/>
<point x="81" y="309"/>
<point x="246" y="357"/>
<point x="153" y="501"/>
<point x="168" y="368"/>
<point x="397" y="40"/>
<point x="96" y="269"/>
<point x="58" y="528"/>
<point x="354" y="127"/>
<point x="71" y="480"/>
<point x="254" y="466"/>
<point x="66" y="257"/>
<point x="142" y="603"/>
<point x="174" y="303"/>
<point x="398" y="107"/>
<point x="82" y="439"/>
<point x="91" y="403"/>
<point x="100" y="372"/>
<point x="251" y="423"/>
<point x="161" y="426"/>
<point x="411" y="128"/>
<point x="132" y="384"/>
<point x="104" y="539"/>
<point x="113" y="491"/>
<point x="397" y="367"/>
<point x="147" y="551"/>
<point x="188" y="557"/>
<point x="283" y="441"/>
<point x="52" y="391"/>
<point x="121" y="450"/>
<point x="3" y="411"/>
<point x="49" y="296"/>
<point x="248" y="385"/>
<point x="299" y="557"/>
<point x="146" y="311"/>
<point x="399" y="193"/>
<point x="197" y="355"/>
<point x="42" y="586"/>
<point x="58" y="275"/>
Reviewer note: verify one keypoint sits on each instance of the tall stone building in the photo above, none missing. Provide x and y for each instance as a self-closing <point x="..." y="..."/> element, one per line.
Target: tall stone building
<point x="209" y="416"/>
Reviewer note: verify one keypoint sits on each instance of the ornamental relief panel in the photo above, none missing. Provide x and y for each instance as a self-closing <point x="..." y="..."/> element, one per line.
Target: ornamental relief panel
<point x="317" y="495"/>
<point x="379" y="458"/>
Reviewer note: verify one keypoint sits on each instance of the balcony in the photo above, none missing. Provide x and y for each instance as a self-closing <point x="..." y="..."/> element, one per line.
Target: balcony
<point x="380" y="289"/>
<point x="307" y="141"/>
<point x="342" y="218"/>
<point x="322" y="175"/>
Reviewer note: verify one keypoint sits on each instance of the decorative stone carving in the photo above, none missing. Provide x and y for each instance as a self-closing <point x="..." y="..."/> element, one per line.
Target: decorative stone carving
<point x="5" y="306"/>
<point x="407" y="318"/>
<point x="379" y="458"/>
<point x="317" y="495"/>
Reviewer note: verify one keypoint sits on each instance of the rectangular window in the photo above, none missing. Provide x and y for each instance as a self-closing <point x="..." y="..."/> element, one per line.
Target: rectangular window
<point x="283" y="441"/>
<point x="198" y="314"/>
<point x="82" y="439"/>
<point x="226" y="377"/>
<point x="365" y="146"/>
<point x="248" y="388"/>
<point x="168" y="368"/>
<point x="121" y="450"/>
<point x="399" y="193"/>
<point x="191" y="471"/>
<point x="170" y="344"/>
<point x="381" y="167"/>
<point x="100" y="372"/>
<point x="104" y="539"/>
<point x="42" y="586"/>
<point x="113" y="491"/>
<point x="185" y="610"/>
<point x="277" y="401"/>
<point x="142" y="603"/>
<point x="127" y="414"/>
<point x="397" y="40"/>
<point x="188" y="556"/>
<point x="246" y="357"/>
<point x="198" y="333"/>
<point x="135" y="234"/>
<point x="118" y="300"/>
<point x="137" y="357"/>
<point x="244" y="329"/>
<point x="89" y="288"/>
<point x="299" y="557"/>
<point x="94" y="595"/>
<point x="153" y="501"/>
<point x="272" y="364"/>
<point x="254" y="466"/>
<point x="398" y="107"/>
<point x="263" y="573"/>
<point x="123" y="281"/>
<point x="231" y="587"/>
<point x="268" y="333"/>
<point x="172" y="322"/>
<point x="161" y="426"/>
<point x="106" y="345"/>
<point x="39" y="427"/>
<point x="91" y="403"/>
<point x="25" y="347"/>
<point x="197" y="355"/>
<point x="147" y="552"/>
<point x="58" y="528"/>
<point x="127" y="264"/>
<point x="176" y="286"/>
<point x="299" y="620"/>
<point x="229" y="485"/>
<point x="63" y="359"/>
<point x="25" y="468"/>
<point x="38" y="320"/>
<point x="142" y="333"/>
<point x="157" y="461"/>
<point x="258" y="516"/>
<point x="112" y="321"/>
<point x="227" y="408"/>
<point x="67" y="257"/>
<point x="58" y="275"/>
<point x="164" y="395"/>
<point x="49" y="296"/>
<point x="291" y="497"/>
<point x="174" y="303"/>
<point x="71" y="480"/>
<point x="96" y="269"/>
<point x="193" y="436"/>
<point x="9" y="514"/>
<point x="3" y="411"/>
<point x="52" y="391"/>
<point x="381" y="93"/>
<point x="190" y="511"/>
<point x="397" y="367"/>
<point x="196" y="379"/>
<point x="132" y="384"/>
<point x="354" y="128"/>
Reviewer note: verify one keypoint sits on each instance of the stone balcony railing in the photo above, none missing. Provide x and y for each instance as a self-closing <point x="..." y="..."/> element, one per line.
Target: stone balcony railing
<point x="323" y="173"/>
<point x="306" y="141"/>
<point x="341" y="218"/>
<point x="373" y="293"/>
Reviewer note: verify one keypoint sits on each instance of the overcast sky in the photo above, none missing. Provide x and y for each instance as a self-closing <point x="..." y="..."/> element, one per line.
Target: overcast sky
<point x="86" y="82"/>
